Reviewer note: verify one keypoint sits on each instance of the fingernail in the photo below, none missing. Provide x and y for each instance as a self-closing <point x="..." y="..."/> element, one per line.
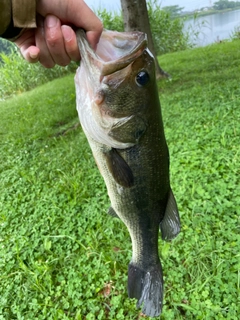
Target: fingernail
<point x="67" y="33"/>
<point x="33" y="56"/>
<point x="34" y="53"/>
<point x="51" y="21"/>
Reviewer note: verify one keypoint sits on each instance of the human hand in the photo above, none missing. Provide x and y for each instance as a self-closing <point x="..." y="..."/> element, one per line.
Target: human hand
<point x="54" y="40"/>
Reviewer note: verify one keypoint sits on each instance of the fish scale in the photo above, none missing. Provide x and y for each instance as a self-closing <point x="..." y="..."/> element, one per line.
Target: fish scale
<point x="120" y="113"/>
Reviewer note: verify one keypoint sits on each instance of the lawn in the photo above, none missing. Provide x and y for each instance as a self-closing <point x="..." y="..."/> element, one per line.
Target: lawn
<point x="63" y="257"/>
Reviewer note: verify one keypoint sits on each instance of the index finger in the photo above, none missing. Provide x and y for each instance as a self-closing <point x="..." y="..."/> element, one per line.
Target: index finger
<point x="74" y="13"/>
<point x="88" y="21"/>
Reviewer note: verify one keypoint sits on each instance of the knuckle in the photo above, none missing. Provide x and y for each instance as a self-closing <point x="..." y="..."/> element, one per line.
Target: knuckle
<point x="53" y="38"/>
<point x="53" y="41"/>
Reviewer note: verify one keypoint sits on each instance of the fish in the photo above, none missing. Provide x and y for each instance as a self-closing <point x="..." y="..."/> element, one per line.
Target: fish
<point x="119" y="110"/>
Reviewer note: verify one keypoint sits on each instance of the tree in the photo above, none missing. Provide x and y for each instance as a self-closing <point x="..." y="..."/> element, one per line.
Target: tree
<point x="174" y="11"/>
<point x="135" y="17"/>
<point x="225" y="4"/>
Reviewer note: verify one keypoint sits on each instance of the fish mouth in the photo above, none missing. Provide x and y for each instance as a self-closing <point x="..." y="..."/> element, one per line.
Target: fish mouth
<point x="115" y="51"/>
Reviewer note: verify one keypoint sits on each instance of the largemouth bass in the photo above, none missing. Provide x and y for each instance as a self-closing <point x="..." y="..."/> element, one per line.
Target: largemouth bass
<point x="119" y="110"/>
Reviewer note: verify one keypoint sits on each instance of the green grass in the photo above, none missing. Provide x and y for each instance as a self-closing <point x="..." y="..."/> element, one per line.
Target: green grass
<point x="17" y="75"/>
<point x="63" y="257"/>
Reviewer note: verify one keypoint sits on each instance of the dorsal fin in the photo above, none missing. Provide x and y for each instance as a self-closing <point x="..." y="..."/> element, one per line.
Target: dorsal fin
<point x="119" y="169"/>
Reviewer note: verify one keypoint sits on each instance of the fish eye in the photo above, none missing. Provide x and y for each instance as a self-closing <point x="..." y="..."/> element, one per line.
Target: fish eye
<point x="142" y="78"/>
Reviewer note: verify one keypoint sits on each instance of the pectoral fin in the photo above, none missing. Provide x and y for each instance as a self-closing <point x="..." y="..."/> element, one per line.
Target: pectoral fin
<point x="170" y="225"/>
<point x="119" y="169"/>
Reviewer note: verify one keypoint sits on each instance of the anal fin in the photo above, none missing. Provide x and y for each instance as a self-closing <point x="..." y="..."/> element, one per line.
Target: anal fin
<point x="112" y="212"/>
<point x="170" y="225"/>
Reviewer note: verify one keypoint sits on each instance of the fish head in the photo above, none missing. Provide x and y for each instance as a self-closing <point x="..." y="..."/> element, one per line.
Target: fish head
<point x="117" y="81"/>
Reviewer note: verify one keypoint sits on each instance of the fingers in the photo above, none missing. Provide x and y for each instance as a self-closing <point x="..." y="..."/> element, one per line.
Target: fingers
<point x="85" y="18"/>
<point x="50" y="43"/>
<point x="45" y="58"/>
<point x="55" y="42"/>
<point x="26" y="44"/>
<point x="92" y="25"/>
<point x="70" y="42"/>
<point x="93" y="38"/>
<point x="74" y="12"/>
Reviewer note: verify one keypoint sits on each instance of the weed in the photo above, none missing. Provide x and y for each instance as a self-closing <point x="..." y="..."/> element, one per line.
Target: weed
<point x="63" y="257"/>
<point x="17" y="75"/>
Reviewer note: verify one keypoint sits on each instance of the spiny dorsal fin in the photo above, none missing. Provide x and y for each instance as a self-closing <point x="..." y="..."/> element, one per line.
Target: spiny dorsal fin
<point x="119" y="169"/>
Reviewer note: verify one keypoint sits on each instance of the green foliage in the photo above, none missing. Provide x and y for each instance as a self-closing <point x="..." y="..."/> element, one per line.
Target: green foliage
<point x="167" y="30"/>
<point x="236" y="33"/>
<point x="5" y="46"/>
<point x="174" y="11"/>
<point x="168" y="33"/>
<point x="201" y="119"/>
<point x="225" y="4"/>
<point x="17" y="75"/>
<point x="111" y="21"/>
<point x="63" y="257"/>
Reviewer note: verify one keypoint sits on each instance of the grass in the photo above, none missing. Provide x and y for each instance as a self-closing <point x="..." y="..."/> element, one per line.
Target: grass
<point x="17" y="75"/>
<point x="63" y="257"/>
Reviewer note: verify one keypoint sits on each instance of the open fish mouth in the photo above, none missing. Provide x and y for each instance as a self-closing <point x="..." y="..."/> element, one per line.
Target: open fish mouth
<point x="115" y="51"/>
<point x="118" y="50"/>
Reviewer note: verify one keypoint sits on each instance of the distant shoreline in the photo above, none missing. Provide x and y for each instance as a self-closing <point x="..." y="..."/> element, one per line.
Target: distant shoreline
<point x="207" y="13"/>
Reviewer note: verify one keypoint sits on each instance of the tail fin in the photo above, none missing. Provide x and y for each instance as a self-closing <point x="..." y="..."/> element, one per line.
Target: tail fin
<point x="147" y="287"/>
<point x="170" y="225"/>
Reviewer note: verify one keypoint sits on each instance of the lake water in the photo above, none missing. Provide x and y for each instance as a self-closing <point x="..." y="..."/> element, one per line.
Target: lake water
<point x="214" y="27"/>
